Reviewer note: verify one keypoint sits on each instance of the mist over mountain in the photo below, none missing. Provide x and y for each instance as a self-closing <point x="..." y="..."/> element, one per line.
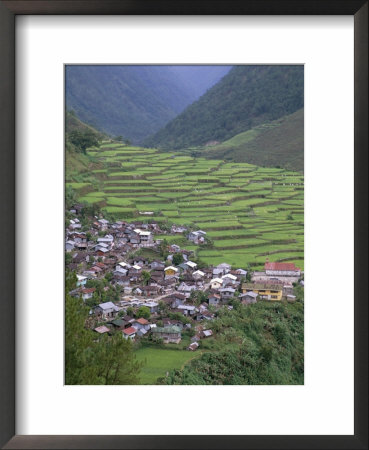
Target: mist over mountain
<point x="244" y="98"/>
<point x="198" y="79"/>
<point x="135" y="101"/>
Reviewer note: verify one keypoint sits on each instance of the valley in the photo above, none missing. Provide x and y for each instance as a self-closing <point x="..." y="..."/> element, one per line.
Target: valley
<point x="184" y="225"/>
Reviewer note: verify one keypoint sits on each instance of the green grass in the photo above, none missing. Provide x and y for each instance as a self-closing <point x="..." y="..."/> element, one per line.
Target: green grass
<point x="119" y="201"/>
<point x="121" y="212"/>
<point x="90" y="199"/>
<point x="241" y="242"/>
<point x="159" y="361"/>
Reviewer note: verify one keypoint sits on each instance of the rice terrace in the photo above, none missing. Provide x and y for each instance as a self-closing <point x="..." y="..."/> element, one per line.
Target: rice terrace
<point x="247" y="211"/>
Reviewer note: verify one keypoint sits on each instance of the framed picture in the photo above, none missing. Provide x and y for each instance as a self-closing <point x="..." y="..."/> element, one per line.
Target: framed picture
<point x="296" y="50"/>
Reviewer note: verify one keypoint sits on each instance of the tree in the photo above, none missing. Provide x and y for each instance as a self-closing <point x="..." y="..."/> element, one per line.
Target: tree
<point x="83" y="139"/>
<point x="143" y="311"/>
<point x="198" y="297"/>
<point x="177" y="259"/>
<point x="108" y="276"/>
<point x="93" y="301"/>
<point x="163" y="248"/>
<point x="78" y="358"/>
<point x="145" y="277"/>
<point x="68" y="258"/>
<point x="130" y="311"/>
<point x="70" y="197"/>
<point x="91" y="360"/>
<point x="116" y="361"/>
<point x="91" y="210"/>
<point x="163" y="308"/>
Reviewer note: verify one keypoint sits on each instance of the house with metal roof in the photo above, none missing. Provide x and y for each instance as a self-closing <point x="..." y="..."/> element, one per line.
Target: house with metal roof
<point x="281" y="269"/>
<point x="171" y="334"/>
<point x="206" y="333"/>
<point x="248" y="297"/>
<point x="191" y="264"/>
<point x="216" y="283"/>
<point x="107" y="309"/>
<point x="227" y="292"/>
<point x="266" y="291"/>
<point x="129" y="333"/>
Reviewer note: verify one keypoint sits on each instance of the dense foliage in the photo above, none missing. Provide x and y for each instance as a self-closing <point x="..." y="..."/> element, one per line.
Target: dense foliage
<point x="91" y="358"/>
<point x="247" y="96"/>
<point x="83" y="139"/>
<point x="134" y="101"/>
<point x="256" y="344"/>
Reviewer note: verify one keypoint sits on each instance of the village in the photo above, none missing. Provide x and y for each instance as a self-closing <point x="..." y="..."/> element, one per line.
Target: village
<point x="143" y="287"/>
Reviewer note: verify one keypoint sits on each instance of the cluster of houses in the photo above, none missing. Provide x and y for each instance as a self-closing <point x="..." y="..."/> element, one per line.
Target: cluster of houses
<point x="158" y="284"/>
<point x="119" y="236"/>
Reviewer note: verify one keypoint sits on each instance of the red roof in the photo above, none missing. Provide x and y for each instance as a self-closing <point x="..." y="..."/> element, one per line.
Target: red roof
<point x="142" y="321"/>
<point x="130" y="330"/>
<point x="280" y="266"/>
<point x="88" y="290"/>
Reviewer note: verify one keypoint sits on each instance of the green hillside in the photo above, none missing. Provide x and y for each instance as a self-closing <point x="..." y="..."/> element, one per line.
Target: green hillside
<point x="73" y="123"/>
<point x="279" y="143"/>
<point x="79" y="164"/>
<point x="246" y="97"/>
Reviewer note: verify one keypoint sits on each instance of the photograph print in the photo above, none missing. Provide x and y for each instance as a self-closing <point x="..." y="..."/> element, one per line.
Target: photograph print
<point x="184" y="225"/>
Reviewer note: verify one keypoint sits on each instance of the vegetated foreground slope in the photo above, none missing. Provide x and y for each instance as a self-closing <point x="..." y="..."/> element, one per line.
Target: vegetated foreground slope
<point x="279" y="143"/>
<point x="261" y="343"/>
<point x="246" y="97"/>
<point x="256" y="344"/>
<point x="134" y="101"/>
<point x="249" y="212"/>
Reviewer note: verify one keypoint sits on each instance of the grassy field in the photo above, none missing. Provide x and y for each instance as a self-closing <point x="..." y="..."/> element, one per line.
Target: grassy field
<point x="248" y="211"/>
<point x="159" y="361"/>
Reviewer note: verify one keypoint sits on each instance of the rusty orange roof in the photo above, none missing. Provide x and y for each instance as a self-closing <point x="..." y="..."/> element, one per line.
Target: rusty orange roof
<point x="88" y="290"/>
<point x="130" y="330"/>
<point x="142" y="321"/>
<point x="280" y="266"/>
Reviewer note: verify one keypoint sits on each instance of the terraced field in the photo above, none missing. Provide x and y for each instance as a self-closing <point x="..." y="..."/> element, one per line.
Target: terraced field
<point x="249" y="212"/>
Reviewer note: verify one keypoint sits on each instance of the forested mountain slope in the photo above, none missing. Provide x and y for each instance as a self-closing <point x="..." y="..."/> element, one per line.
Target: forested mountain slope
<point x="135" y="101"/>
<point x="279" y="143"/>
<point x="246" y="97"/>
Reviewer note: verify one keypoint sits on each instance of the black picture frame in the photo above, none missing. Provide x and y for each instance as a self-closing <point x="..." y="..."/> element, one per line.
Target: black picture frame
<point x="8" y="12"/>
